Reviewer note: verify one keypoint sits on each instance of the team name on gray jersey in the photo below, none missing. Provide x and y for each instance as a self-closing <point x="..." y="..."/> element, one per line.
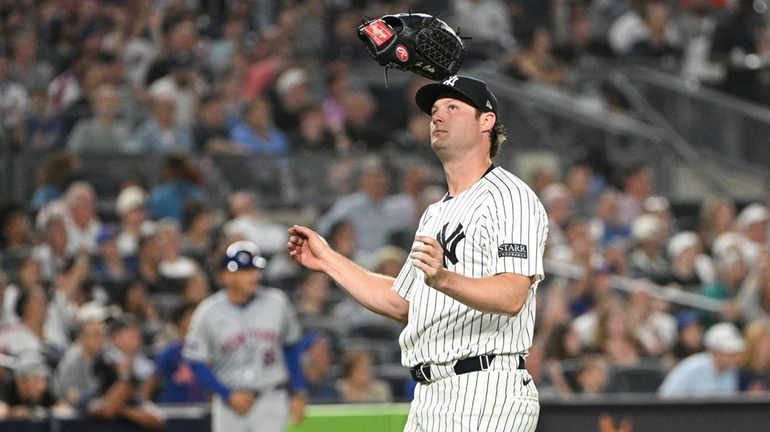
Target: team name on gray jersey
<point x="244" y="344"/>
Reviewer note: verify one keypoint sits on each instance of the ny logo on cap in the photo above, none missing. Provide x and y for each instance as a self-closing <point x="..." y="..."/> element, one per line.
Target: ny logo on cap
<point x="451" y="80"/>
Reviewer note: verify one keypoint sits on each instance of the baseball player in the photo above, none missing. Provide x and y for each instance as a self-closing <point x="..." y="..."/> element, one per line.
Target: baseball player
<point x="242" y="344"/>
<point x="467" y="293"/>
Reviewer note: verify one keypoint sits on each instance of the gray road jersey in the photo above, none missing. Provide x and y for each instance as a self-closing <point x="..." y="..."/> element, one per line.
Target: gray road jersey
<point x="244" y="344"/>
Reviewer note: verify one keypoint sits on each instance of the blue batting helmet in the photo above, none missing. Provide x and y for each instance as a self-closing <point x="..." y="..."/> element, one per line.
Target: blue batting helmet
<point x="243" y="255"/>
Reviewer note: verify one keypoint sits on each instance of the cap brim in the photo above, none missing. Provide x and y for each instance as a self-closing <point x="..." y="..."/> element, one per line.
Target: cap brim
<point x="429" y="93"/>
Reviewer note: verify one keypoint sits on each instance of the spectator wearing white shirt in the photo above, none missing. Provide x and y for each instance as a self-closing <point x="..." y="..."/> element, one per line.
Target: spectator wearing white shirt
<point x="488" y="24"/>
<point x="250" y="221"/>
<point x="52" y="252"/>
<point x="131" y="207"/>
<point x="754" y="223"/>
<point x="103" y="133"/>
<point x="183" y="84"/>
<point x="690" y="267"/>
<point x="173" y="264"/>
<point x="78" y="209"/>
<point x="629" y="29"/>
<point x="14" y="100"/>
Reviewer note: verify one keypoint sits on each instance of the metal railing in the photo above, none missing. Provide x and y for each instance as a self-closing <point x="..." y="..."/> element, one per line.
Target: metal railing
<point x="672" y="126"/>
<point x="720" y="126"/>
<point x="688" y="134"/>
<point x="574" y="126"/>
<point x="625" y="284"/>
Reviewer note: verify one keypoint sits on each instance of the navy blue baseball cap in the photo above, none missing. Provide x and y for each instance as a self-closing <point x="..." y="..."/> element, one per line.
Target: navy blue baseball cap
<point x="470" y="90"/>
<point x="686" y="318"/>
<point x="243" y="255"/>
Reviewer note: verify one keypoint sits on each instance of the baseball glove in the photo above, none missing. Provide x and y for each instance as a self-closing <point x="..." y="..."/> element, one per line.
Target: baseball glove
<point x="415" y="42"/>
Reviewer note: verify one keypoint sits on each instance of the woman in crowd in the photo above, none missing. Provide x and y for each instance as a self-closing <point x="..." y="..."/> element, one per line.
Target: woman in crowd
<point x="357" y="383"/>
<point x="755" y="365"/>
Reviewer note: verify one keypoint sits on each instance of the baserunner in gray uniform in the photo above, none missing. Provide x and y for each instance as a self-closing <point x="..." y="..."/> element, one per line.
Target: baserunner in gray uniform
<point x="242" y="344"/>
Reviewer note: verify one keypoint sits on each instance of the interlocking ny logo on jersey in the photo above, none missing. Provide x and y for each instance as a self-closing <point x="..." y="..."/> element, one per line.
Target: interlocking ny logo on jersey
<point x="449" y="244"/>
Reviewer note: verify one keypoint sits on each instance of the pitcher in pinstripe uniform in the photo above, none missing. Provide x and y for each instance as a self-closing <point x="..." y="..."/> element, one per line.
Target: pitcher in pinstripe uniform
<point x="467" y="293"/>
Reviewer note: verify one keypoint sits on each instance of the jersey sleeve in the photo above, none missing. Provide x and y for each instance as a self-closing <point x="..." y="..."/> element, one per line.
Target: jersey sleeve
<point x="197" y="345"/>
<point x="519" y="231"/>
<point x="405" y="281"/>
<point x="164" y="362"/>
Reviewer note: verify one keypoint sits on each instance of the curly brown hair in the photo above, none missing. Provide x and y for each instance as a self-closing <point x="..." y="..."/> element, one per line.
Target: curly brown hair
<point x="497" y="136"/>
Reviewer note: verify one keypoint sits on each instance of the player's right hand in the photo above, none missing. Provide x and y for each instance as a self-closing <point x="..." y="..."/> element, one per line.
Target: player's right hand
<point x="240" y="401"/>
<point x="308" y="248"/>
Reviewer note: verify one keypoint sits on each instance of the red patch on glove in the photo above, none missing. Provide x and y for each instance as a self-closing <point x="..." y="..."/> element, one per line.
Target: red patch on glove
<point x="378" y="32"/>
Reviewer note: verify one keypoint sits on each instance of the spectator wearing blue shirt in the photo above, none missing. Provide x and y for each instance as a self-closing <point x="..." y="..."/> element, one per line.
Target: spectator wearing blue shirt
<point x="181" y="184"/>
<point x="606" y="225"/>
<point x="317" y="361"/>
<point x="108" y="265"/>
<point x="365" y="209"/>
<point x="257" y="133"/>
<point x="162" y="133"/>
<point x="713" y="372"/>
<point x="174" y="379"/>
<point x="57" y="171"/>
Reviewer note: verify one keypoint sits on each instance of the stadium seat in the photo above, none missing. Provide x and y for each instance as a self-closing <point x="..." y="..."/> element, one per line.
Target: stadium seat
<point x="382" y="352"/>
<point x="643" y="378"/>
<point x="376" y="331"/>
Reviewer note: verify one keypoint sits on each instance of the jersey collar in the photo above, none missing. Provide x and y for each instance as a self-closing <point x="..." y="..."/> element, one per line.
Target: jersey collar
<point x="448" y="197"/>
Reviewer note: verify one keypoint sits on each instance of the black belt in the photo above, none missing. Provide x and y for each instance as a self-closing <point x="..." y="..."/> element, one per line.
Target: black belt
<point x="422" y="374"/>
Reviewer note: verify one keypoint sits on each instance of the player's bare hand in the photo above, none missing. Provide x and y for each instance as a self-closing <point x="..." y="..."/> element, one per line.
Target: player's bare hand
<point x="308" y="248"/>
<point x="297" y="407"/>
<point x="240" y="401"/>
<point x="428" y="256"/>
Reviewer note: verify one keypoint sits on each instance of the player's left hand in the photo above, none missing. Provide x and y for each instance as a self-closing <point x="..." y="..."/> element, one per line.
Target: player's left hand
<point x="297" y="406"/>
<point x="240" y="401"/>
<point x="428" y="256"/>
<point x="308" y="248"/>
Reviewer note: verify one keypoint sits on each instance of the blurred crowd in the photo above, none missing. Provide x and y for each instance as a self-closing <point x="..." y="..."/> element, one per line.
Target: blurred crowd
<point x="98" y="284"/>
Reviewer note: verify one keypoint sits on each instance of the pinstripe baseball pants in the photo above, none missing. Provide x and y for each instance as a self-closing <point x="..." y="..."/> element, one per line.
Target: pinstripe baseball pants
<point x="489" y="401"/>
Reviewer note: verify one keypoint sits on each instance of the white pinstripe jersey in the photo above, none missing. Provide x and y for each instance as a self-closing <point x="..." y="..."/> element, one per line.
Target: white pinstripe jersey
<point x="496" y="226"/>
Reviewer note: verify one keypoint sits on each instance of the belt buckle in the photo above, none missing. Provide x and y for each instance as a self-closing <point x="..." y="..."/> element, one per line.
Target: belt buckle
<point x="484" y="362"/>
<point x="419" y="373"/>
